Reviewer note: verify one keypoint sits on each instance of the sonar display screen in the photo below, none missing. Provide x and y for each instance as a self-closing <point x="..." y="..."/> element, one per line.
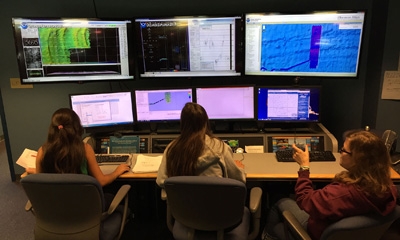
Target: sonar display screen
<point x="72" y="50"/>
<point x="320" y="44"/>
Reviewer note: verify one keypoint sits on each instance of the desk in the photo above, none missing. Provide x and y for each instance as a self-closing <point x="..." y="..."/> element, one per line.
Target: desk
<point x="265" y="167"/>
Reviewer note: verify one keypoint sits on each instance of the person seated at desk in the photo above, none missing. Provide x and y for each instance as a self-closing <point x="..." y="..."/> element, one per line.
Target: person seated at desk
<point x="197" y="152"/>
<point x="365" y="187"/>
<point x="64" y="151"/>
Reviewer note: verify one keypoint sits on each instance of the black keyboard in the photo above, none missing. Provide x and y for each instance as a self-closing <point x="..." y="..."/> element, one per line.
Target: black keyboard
<point x="110" y="158"/>
<point x="315" y="156"/>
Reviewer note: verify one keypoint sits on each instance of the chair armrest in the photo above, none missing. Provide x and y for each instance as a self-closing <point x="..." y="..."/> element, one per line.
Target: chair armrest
<point x="28" y="206"/>
<point x="121" y="194"/>
<point x="163" y="194"/>
<point x="255" y="199"/>
<point x="170" y="218"/>
<point x="255" y="209"/>
<point x="292" y="225"/>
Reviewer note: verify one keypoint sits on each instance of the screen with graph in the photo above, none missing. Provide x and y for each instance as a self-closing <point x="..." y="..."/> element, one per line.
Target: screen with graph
<point x="161" y="104"/>
<point x="289" y="104"/>
<point x="72" y="50"/>
<point x="326" y="44"/>
<point x="189" y="46"/>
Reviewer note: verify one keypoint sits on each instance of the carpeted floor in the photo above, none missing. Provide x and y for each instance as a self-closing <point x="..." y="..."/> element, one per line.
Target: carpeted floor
<point x="15" y="222"/>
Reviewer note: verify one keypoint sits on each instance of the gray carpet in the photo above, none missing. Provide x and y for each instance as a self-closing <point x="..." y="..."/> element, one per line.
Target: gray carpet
<point x="15" y="222"/>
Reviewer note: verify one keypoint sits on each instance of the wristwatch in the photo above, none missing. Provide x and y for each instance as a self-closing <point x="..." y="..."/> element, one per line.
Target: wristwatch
<point x="304" y="168"/>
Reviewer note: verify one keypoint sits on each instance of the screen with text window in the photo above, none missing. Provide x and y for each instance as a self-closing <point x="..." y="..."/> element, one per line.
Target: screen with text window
<point x="103" y="109"/>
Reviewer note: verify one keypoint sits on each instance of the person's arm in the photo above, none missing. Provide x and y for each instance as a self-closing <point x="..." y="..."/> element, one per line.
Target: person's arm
<point x="332" y="202"/>
<point x="95" y="171"/>
<point x="162" y="172"/>
<point x="39" y="157"/>
<point x="233" y="169"/>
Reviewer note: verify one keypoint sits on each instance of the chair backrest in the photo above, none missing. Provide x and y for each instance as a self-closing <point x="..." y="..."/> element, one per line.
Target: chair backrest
<point x="370" y="226"/>
<point x="66" y="206"/>
<point x="206" y="203"/>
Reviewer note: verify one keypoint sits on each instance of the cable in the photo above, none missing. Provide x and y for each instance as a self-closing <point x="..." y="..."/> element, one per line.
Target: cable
<point x="95" y="8"/>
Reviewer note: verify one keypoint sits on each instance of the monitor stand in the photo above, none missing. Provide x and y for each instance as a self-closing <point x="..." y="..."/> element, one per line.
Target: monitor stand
<point x="168" y="128"/>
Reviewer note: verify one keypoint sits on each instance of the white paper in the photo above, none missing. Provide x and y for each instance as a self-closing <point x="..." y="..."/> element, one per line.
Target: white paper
<point x="147" y="164"/>
<point x="27" y="159"/>
<point x="254" y="149"/>
<point x="391" y="85"/>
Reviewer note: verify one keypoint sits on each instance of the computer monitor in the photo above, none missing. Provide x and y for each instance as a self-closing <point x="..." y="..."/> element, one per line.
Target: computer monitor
<point x="317" y="44"/>
<point x="161" y="105"/>
<point x="282" y="142"/>
<point x="193" y="46"/>
<point x="228" y="102"/>
<point x="103" y="109"/>
<point x="73" y="50"/>
<point x="289" y="104"/>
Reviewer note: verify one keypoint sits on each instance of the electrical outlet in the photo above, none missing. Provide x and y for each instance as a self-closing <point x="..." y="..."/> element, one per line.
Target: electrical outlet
<point x="16" y="83"/>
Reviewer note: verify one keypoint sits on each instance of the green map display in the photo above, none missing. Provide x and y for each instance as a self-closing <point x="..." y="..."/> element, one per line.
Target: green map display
<point x="55" y="43"/>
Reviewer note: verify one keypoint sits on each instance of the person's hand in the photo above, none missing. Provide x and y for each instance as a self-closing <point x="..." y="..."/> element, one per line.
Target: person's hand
<point x="300" y="156"/>
<point x="239" y="164"/>
<point x="30" y="170"/>
<point x="122" y="168"/>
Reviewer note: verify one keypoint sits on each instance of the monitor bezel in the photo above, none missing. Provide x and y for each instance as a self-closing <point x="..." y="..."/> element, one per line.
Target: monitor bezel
<point x="239" y="49"/>
<point x="73" y="79"/>
<point x="347" y="75"/>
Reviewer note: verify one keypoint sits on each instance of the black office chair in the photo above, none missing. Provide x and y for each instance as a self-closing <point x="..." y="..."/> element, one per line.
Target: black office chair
<point x="72" y="206"/>
<point x="200" y="207"/>
<point x="369" y="226"/>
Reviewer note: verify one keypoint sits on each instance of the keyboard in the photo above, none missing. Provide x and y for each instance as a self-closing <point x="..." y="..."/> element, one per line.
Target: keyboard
<point x="112" y="158"/>
<point x="315" y="156"/>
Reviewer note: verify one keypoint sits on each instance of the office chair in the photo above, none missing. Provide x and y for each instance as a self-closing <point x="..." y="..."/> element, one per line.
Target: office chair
<point x="72" y="206"/>
<point x="369" y="226"/>
<point x="201" y="207"/>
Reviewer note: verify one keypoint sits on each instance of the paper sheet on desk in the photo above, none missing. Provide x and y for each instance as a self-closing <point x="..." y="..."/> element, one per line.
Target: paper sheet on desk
<point x="146" y="164"/>
<point x="27" y="159"/>
<point x="254" y="149"/>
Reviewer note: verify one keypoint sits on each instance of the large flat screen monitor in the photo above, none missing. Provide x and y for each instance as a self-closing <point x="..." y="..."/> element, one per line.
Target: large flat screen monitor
<point x="103" y="109"/>
<point x="227" y="103"/>
<point x="161" y="105"/>
<point x="190" y="46"/>
<point x="324" y="44"/>
<point x="72" y="50"/>
<point x="289" y="104"/>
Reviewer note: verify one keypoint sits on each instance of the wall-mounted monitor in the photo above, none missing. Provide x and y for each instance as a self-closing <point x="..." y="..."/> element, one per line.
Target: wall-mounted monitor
<point x="289" y="104"/>
<point x="73" y="50"/>
<point x="161" y="105"/>
<point x="100" y="110"/>
<point x="228" y="102"/>
<point x="320" y="44"/>
<point x="190" y="46"/>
